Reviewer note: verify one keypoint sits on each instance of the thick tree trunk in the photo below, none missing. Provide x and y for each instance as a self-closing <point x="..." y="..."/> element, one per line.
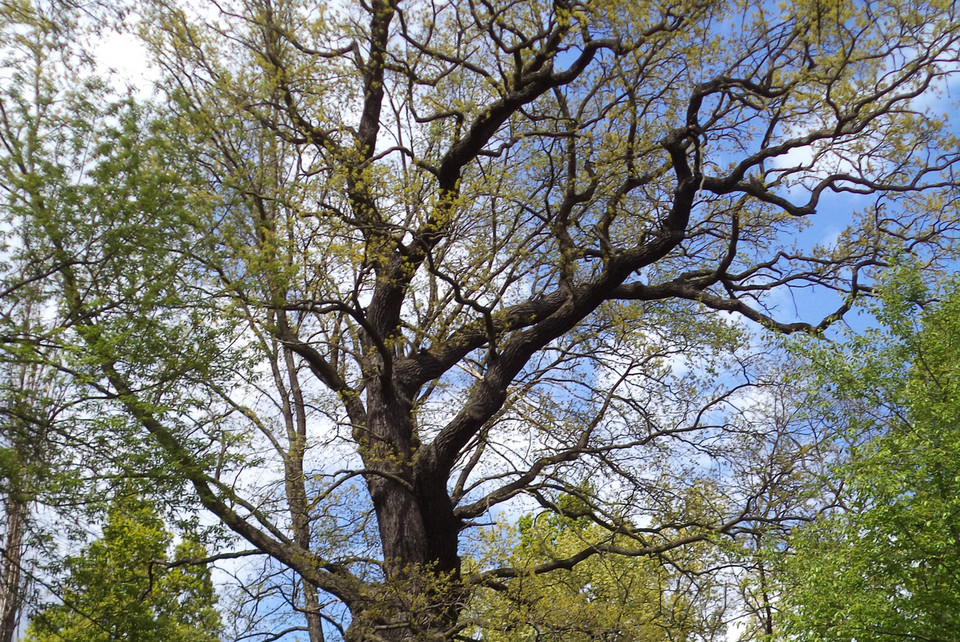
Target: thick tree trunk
<point x="11" y="578"/>
<point x="421" y="596"/>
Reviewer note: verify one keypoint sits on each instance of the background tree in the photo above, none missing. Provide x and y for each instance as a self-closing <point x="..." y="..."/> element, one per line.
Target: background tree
<point x="885" y="567"/>
<point x="122" y="588"/>
<point x="71" y="154"/>
<point x="34" y="399"/>
<point x="31" y="461"/>
<point x="457" y="256"/>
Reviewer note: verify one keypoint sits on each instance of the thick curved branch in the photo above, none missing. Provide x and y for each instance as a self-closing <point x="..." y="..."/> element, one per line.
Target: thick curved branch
<point x="690" y="292"/>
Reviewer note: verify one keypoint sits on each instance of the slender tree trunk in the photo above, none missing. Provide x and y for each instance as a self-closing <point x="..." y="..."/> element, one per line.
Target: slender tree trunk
<point x="312" y="604"/>
<point x="11" y="579"/>
<point x="293" y="408"/>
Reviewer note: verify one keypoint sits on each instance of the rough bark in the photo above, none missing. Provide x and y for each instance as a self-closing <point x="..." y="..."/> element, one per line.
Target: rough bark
<point x="11" y="576"/>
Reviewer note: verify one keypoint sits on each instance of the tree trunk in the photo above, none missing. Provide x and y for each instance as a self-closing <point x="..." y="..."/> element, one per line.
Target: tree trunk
<point x="312" y="604"/>
<point x="11" y="581"/>
<point x="421" y="596"/>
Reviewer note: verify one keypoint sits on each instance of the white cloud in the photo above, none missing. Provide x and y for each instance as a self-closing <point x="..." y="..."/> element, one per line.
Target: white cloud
<point x="124" y="56"/>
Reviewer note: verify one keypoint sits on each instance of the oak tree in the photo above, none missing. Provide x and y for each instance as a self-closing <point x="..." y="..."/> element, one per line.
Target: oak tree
<point x="370" y="273"/>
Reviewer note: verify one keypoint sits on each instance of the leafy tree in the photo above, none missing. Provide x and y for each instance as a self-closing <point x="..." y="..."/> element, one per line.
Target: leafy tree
<point x="67" y="165"/>
<point x="122" y="586"/>
<point x="602" y="598"/>
<point x="34" y="393"/>
<point x="886" y="567"/>
<point x="30" y="402"/>
<point x="374" y="272"/>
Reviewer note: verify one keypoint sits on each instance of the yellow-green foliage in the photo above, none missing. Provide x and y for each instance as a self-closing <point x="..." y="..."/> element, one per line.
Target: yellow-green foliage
<point x="604" y="597"/>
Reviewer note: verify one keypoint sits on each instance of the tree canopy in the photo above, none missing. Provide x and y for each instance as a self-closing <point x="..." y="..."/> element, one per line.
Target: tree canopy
<point x="121" y="587"/>
<point x="365" y="276"/>
<point x="886" y="566"/>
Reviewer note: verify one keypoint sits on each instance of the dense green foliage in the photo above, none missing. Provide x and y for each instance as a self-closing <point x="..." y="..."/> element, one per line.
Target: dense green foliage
<point x="123" y="587"/>
<point x="886" y="566"/>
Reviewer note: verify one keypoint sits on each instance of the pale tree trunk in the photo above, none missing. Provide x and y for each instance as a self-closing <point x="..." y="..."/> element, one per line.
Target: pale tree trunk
<point x="295" y="418"/>
<point x="314" y="621"/>
<point x="11" y="577"/>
